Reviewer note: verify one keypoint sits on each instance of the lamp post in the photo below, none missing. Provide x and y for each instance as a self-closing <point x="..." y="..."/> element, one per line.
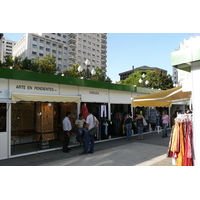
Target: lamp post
<point x="142" y="79"/>
<point x="87" y="63"/>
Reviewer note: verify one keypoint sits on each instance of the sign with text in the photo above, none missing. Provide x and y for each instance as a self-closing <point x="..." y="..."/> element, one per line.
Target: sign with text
<point x="33" y="87"/>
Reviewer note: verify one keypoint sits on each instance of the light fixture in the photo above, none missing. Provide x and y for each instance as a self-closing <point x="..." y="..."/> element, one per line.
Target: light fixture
<point x="93" y="72"/>
<point x="80" y="69"/>
<point x="143" y="75"/>
<point x="49" y="104"/>
<point x="62" y="74"/>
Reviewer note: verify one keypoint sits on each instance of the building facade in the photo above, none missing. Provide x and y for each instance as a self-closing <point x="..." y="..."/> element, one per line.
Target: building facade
<point x="126" y="74"/>
<point x="7" y="47"/>
<point x="1" y="46"/>
<point x="68" y="48"/>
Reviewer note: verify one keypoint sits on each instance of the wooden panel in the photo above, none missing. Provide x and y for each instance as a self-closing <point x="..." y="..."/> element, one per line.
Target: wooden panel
<point x="44" y="117"/>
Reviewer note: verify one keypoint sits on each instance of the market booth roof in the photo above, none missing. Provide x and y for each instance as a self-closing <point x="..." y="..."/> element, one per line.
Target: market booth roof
<point x="44" y="98"/>
<point x="162" y="99"/>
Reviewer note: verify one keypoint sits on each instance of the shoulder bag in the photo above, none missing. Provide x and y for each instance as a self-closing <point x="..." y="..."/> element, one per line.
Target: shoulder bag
<point x="93" y="130"/>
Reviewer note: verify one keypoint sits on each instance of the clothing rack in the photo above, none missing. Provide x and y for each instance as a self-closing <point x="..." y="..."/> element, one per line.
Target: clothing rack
<point x="181" y="141"/>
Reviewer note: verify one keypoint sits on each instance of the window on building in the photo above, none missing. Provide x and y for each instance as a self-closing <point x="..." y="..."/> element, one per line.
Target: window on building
<point x="65" y="48"/>
<point x="64" y="36"/>
<point x="48" y="43"/>
<point x="53" y="51"/>
<point x="3" y="117"/>
<point x="59" y="46"/>
<point x="46" y="36"/>
<point x="34" y="39"/>
<point x="59" y="59"/>
<point x="34" y="53"/>
<point x="41" y="41"/>
<point x="64" y="42"/>
<point x="52" y="38"/>
<point x="54" y="45"/>
<point x="59" y="65"/>
<point x="34" y="46"/>
<point x="65" y="54"/>
<point x="59" y="52"/>
<point x="58" y="40"/>
<point x="64" y="66"/>
<point x="65" y="60"/>
<point x="40" y="54"/>
<point x="58" y="34"/>
<point x="41" y="48"/>
<point x="47" y="49"/>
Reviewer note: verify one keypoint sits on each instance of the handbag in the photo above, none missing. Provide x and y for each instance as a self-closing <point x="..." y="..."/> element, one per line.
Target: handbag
<point x="144" y="122"/>
<point x="93" y="130"/>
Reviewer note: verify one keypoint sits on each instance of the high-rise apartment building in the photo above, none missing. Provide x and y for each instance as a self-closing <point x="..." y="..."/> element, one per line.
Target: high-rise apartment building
<point x="1" y="46"/>
<point x="7" y="47"/>
<point x="68" y="48"/>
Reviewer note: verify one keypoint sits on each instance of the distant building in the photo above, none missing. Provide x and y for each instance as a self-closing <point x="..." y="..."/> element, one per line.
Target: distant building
<point x="1" y="47"/>
<point x="126" y="74"/>
<point x="68" y="48"/>
<point x="7" y="47"/>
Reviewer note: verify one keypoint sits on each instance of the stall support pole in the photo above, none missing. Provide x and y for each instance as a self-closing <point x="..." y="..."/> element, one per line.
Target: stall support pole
<point x="169" y="109"/>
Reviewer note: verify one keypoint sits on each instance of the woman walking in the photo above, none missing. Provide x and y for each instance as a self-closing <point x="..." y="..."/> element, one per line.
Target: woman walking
<point x="165" y="121"/>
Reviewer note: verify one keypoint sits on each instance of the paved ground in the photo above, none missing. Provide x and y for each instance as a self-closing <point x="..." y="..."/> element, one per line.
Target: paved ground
<point x="148" y="152"/>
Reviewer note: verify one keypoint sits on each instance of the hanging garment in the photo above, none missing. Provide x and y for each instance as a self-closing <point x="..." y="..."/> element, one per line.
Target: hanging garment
<point x="103" y="111"/>
<point x="179" y="160"/>
<point x="175" y="138"/>
<point x="188" y="156"/>
<point x="84" y="111"/>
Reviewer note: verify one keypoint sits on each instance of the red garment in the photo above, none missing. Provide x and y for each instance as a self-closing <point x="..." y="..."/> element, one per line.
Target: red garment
<point x="84" y="111"/>
<point x="188" y="157"/>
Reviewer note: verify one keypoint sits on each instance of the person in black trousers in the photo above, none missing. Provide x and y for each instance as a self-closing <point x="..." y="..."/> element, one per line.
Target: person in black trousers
<point x="66" y="128"/>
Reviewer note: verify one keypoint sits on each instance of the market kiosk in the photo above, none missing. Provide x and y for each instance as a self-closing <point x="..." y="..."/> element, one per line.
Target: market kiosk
<point x="33" y="105"/>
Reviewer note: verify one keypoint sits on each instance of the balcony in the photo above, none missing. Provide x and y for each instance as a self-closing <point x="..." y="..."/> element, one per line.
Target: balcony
<point x="72" y="39"/>
<point x="72" y="51"/>
<point x="72" y="58"/>
<point x="72" y="44"/>
<point x="72" y="34"/>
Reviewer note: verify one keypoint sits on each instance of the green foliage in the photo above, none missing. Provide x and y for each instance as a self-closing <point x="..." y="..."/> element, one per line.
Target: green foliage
<point x="73" y="71"/>
<point x="156" y="78"/>
<point x="48" y="65"/>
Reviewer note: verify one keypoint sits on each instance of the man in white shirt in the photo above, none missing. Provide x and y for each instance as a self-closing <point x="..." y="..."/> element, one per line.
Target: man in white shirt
<point x="66" y="128"/>
<point x="91" y="121"/>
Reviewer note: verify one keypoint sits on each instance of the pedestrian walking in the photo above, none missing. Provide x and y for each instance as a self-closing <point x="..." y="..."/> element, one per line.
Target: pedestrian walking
<point x="66" y="128"/>
<point x="91" y="122"/>
<point x="165" y="121"/>
<point x="128" y="125"/>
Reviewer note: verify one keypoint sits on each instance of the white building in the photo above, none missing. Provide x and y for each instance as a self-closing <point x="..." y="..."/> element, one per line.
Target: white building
<point x="1" y="46"/>
<point x="68" y="48"/>
<point x="7" y="46"/>
<point x="179" y="76"/>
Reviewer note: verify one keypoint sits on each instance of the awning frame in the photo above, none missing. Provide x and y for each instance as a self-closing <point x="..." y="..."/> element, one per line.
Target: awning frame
<point x="44" y="98"/>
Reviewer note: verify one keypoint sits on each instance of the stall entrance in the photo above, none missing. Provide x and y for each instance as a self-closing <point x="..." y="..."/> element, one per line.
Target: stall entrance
<point x="37" y="126"/>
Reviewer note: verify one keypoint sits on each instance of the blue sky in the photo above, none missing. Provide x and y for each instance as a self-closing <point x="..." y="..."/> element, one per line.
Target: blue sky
<point x="125" y="50"/>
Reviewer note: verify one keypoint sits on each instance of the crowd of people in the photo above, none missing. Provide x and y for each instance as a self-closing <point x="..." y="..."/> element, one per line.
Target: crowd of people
<point x="83" y="127"/>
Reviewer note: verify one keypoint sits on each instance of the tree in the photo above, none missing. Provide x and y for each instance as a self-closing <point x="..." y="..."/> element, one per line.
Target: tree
<point x="26" y="64"/>
<point x="48" y="65"/>
<point x="156" y="78"/>
<point x="73" y="72"/>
